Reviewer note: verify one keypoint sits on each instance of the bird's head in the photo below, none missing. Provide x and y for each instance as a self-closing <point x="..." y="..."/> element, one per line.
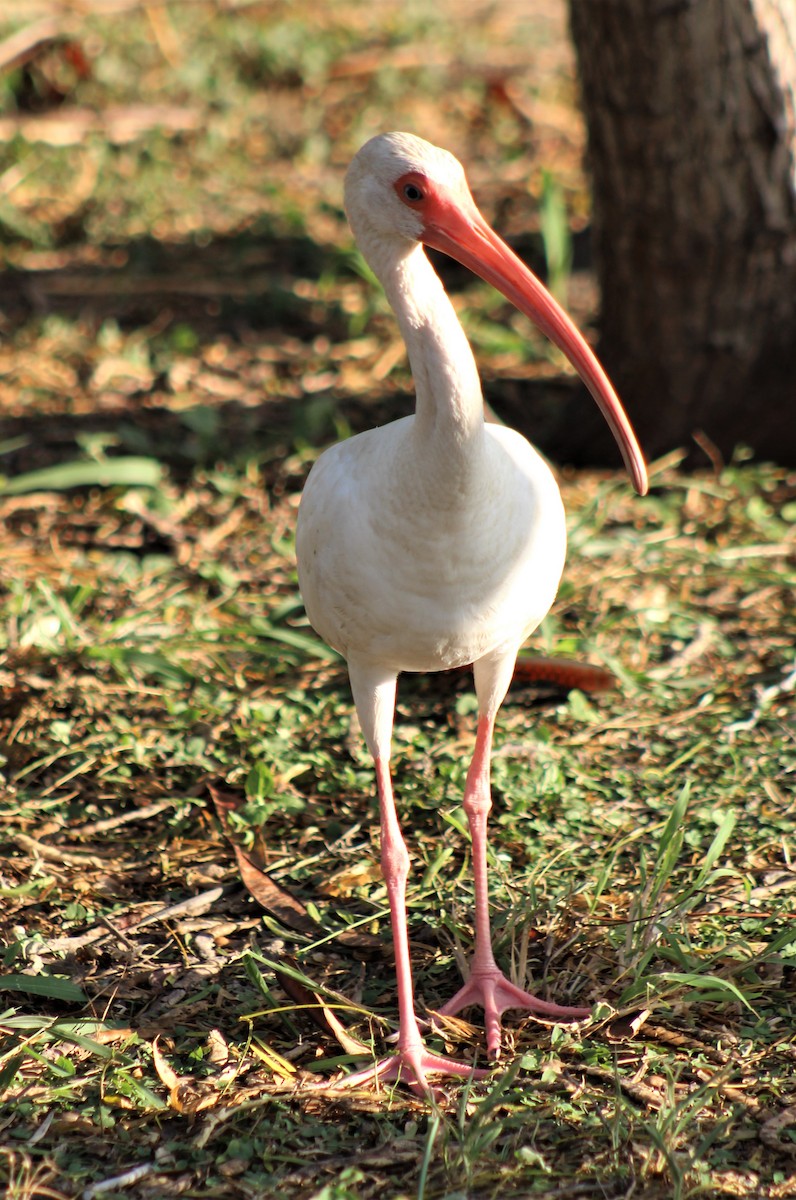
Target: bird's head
<point x="397" y="185"/>
<point x="401" y="191"/>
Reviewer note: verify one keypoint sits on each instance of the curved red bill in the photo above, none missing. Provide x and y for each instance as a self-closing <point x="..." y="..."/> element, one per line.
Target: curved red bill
<point x="457" y="228"/>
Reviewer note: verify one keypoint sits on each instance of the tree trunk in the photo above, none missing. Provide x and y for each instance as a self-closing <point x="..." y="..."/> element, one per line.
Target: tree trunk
<point x="691" y="111"/>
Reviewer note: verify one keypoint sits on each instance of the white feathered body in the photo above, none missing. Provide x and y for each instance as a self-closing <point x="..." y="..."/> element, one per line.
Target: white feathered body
<point x="435" y="566"/>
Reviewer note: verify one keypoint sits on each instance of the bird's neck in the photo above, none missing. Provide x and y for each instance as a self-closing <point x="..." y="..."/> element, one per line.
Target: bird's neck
<point x="449" y="411"/>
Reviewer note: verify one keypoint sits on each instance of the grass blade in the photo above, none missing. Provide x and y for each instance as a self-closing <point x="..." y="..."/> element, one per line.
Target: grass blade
<point x="53" y="987"/>
<point x="132" y="471"/>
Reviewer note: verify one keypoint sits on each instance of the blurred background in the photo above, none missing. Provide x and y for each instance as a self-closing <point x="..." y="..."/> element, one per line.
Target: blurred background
<point x="173" y="240"/>
<point x="178" y="274"/>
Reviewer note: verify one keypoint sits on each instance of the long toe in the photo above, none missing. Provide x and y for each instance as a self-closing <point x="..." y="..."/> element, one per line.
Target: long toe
<point x="507" y="996"/>
<point x="495" y="994"/>
<point x="492" y="1015"/>
<point x="412" y="1066"/>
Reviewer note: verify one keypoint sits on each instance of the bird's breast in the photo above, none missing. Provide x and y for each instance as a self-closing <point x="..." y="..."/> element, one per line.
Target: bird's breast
<point x="422" y="569"/>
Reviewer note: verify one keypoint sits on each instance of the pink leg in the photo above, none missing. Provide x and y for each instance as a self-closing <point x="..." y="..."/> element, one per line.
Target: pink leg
<point x="412" y="1062"/>
<point x="487" y="985"/>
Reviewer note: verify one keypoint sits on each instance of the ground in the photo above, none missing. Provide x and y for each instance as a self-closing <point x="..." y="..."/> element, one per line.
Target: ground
<point x="185" y="326"/>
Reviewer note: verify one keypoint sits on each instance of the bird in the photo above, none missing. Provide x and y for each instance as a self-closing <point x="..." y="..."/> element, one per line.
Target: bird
<point x="438" y="540"/>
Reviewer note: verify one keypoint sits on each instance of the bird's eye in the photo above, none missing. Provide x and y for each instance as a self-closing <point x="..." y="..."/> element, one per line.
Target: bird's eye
<point x="413" y="192"/>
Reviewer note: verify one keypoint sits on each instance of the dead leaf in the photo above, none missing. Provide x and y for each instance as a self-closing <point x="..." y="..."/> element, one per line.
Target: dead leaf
<point x="115" y="1101"/>
<point x="626" y="1028"/>
<point x="285" y="907"/>
<point x="164" y="1071"/>
<point x="106" y="1037"/>
<point x="272" y="1060"/>
<point x="186" y="1095"/>
<point x="321" y="1014"/>
<point x="121" y="375"/>
<point x="273" y="898"/>
<point x="345" y="881"/>
<point x="217" y="1048"/>
<point x="562" y="671"/>
<point x="193" y="1096"/>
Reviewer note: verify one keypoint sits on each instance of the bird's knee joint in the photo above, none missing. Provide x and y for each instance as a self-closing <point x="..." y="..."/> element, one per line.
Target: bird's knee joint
<point x="394" y="861"/>
<point x="478" y="806"/>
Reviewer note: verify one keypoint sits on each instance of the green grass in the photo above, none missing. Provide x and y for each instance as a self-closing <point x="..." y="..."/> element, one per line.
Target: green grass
<point x="640" y="859"/>
<point x="185" y="353"/>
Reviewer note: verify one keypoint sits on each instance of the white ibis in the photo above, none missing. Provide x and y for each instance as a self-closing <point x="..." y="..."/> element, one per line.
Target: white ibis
<point x="438" y="540"/>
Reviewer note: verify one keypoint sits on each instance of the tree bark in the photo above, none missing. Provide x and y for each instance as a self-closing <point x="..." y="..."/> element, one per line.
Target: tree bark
<point x="691" y="112"/>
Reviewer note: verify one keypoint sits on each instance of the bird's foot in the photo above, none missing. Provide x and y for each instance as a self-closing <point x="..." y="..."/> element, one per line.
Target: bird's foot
<point x="411" y="1064"/>
<point x="495" y="993"/>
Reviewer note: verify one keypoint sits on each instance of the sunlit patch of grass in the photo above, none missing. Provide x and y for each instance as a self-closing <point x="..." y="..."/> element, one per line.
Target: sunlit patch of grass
<point x="641" y="845"/>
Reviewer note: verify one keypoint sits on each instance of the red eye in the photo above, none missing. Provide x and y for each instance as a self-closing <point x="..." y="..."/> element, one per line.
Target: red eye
<point x="412" y="188"/>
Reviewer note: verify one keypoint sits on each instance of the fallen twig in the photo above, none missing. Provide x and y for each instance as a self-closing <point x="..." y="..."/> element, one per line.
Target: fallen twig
<point x="135" y="814"/>
<point x="193" y="906"/>
<point x="57" y="854"/>
<point x="118" y="1181"/>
